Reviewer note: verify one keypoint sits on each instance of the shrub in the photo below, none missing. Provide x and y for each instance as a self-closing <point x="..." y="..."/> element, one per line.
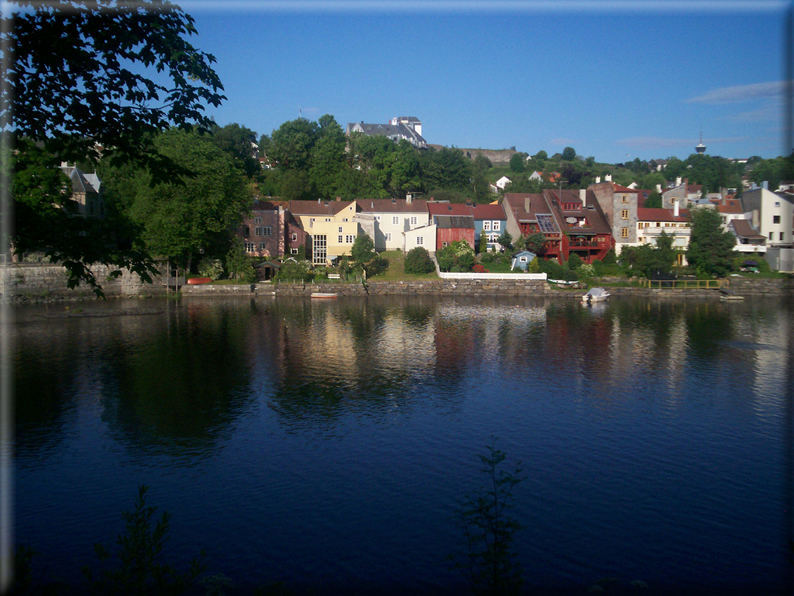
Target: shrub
<point x="418" y="261"/>
<point x="556" y="271"/>
<point x="574" y="262"/>
<point x="376" y="266"/>
<point x="585" y="270"/>
<point x="479" y="269"/>
<point x="209" y="267"/>
<point x="457" y="257"/>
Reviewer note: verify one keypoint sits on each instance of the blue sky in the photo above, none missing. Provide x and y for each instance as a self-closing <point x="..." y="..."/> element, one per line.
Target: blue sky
<point x="615" y="80"/>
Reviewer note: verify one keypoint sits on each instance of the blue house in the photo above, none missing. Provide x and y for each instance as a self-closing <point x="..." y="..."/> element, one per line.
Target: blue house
<point x="522" y="260"/>
<point x="491" y="221"/>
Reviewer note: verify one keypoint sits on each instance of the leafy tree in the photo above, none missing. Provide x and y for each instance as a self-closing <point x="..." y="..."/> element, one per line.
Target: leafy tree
<point x="489" y="561"/>
<point x="568" y="154"/>
<point x="363" y="250"/>
<point x="710" y="248"/>
<point x="446" y="168"/>
<point x="482" y="245"/>
<point x="328" y="157"/>
<point x="534" y="242"/>
<point x="517" y="163"/>
<point x="294" y="185"/>
<point x="647" y="260"/>
<point x="418" y="261"/>
<point x="79" y="87"/>
<point x="506" y="240"/>
<point x="141" y="569"/>
<point x="197" y="212"/>
<point x="238" y="263"/>
<point x="482" y="163"/>
<point x="654" y="200"/>
<point x="238" y="141"/>
<point x="292" y="143"/>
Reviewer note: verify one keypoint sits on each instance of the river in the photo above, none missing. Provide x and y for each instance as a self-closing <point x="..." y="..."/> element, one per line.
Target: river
<point x="328" y="444"/>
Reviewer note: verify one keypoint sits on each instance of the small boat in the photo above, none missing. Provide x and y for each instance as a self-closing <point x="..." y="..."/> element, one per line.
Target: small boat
<point x="195" y="281"/>
<point x="595" y="295"/>
<point x="323" y="295"/>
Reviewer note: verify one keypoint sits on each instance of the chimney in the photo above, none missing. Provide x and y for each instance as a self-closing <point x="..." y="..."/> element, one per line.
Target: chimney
<point x="598" y="180"/>
<point x="583" y="196"/>
<point x="608" y="178"/>
<point x="678" y="181"/>
<point x="319" y="201"/>
<point x="526" y="204"/>
<point x="659" y="188"/>
<point x="338" y="199"/>
<point x="676" y="208"/>
<point x="408" y="198"/>
<point x="765" y="185"/>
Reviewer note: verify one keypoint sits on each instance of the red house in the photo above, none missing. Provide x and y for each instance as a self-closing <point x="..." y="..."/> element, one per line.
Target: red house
<point x="453" y="221"/>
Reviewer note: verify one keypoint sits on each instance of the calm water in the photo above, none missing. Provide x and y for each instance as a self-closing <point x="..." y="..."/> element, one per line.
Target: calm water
<point x="326" y="444"/>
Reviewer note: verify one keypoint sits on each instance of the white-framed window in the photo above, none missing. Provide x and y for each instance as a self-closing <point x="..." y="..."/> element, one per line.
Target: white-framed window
<point x="388" y="236"/>
<point x="496" y="225"/>
<point x="267" y="231"/>
<point x="522" y="259"/>
<point x="294" y="236"/>
<point x="777" y="203"/>
<point x="340" y="229"/>
<point x="250" y="247"/>
<point x="293" y="251"/>
<point x="257" y="231"/>
<point x="349" y="239"/>
<point x="486" y="225"/>
<point x="444" y="244"/>
<point x="327" y="219"/>
<point x="345" y="219"/>
<point x="395" y="220"/>
<point x="413" y="220"/>
<point x="340" y="239"/>
<point x="782" y="236"/>
<point x="262" y="246"/>
<point x="258" y="220"/>
<point x="420" y="240"/>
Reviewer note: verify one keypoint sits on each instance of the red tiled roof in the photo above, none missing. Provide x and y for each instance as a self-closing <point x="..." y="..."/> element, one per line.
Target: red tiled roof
<point x="619" y="188"/>
<point x="730" y="206"/>
<point x="491" y="211"/>
<point x="659" y="214"/>
<point x="449" y="209"/>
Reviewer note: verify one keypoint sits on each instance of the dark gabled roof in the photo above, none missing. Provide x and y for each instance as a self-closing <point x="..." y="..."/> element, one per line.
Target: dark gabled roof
<point x="595" y="220"/>
<point x="743" y="230"/>
<point x="393" y="131"/>
<point x="321" y="208"/>
<point x="392" y="206"/>
<point x="454" y="221"/>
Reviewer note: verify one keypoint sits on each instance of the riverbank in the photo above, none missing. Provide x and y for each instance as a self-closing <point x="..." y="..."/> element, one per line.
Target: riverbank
<point x="41" y="283"/>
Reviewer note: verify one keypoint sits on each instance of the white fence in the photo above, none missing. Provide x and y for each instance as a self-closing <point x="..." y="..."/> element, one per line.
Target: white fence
<point x="510" y="276"/>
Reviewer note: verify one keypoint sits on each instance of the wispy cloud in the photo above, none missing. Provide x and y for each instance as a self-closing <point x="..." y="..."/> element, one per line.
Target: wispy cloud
<point x="742" y="93"/>
<point x="662" y="142"/>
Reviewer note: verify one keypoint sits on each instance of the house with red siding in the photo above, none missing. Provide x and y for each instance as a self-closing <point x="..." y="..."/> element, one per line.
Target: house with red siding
<point x="453" y="222"/>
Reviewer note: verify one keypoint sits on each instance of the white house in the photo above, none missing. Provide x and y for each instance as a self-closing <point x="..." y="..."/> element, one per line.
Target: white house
<point x="771" y="214"/>
<point x="424" y="236"/>
<point x="385" y="220"/>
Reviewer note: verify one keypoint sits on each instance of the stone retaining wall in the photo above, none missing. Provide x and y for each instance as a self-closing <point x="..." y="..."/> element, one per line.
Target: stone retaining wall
<point x="34" y="282"/>
<point x="747" y="286"/>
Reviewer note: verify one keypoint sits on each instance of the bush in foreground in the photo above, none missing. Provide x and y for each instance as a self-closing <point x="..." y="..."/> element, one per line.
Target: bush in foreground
<point x="418" y="261"/>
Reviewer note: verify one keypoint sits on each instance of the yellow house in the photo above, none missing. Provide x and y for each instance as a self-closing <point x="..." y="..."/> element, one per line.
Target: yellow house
<point x="331" y="228"/>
